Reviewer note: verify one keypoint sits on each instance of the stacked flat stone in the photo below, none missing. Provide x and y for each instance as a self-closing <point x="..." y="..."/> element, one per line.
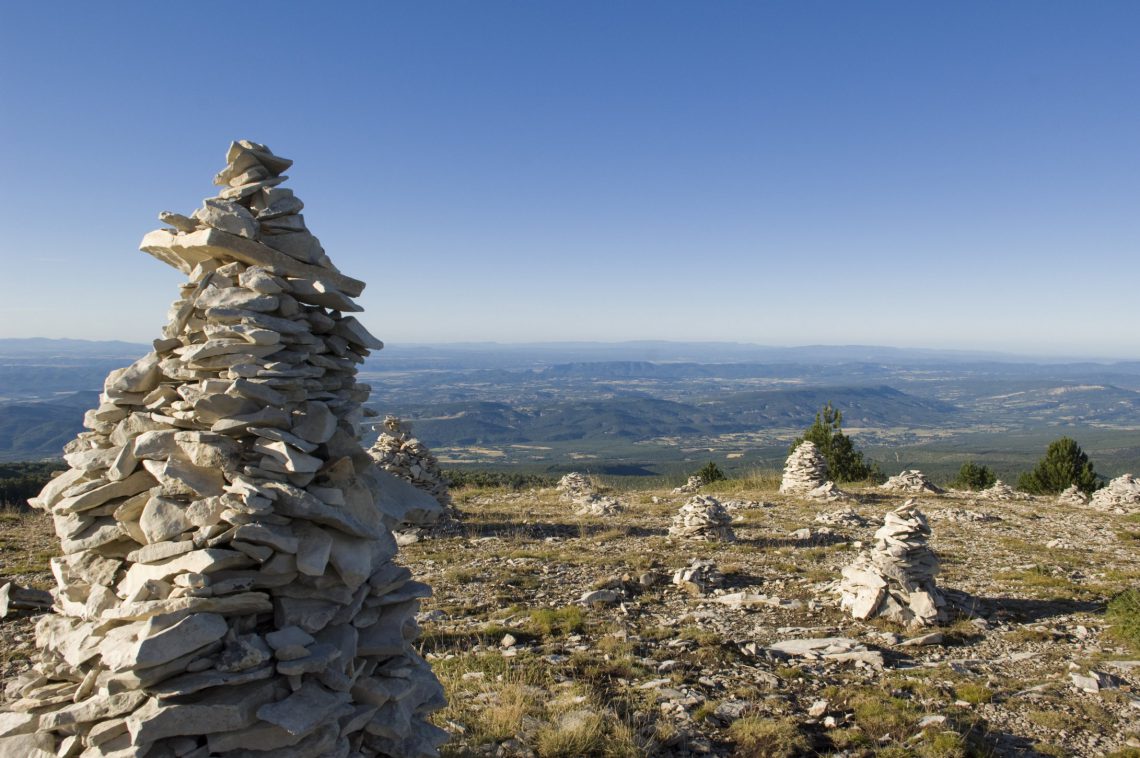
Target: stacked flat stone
<point x="910" y="482"/>
<point x="595" y="504"/>
<point x="1073" y="495"/>
<point x="699" y="577"/>
<point x="804" y="471"/>
<point x="574" y="485"/>
<point x="703" y="518"/>
<point x="828" y="492"/>
<point x="1121" y="495"/>
<point x="227" y="584"/>
<point x="895" y="578"/>
<point x="693" y="484"/>
<point x="399" y="453"/>
<point x="1002" y="491"/>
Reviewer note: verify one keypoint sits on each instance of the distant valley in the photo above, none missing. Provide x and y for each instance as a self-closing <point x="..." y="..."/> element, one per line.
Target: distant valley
<point x="659" y="408"/>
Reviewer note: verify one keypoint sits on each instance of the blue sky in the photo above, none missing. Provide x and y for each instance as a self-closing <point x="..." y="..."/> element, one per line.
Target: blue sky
<point x="960" y="175"/>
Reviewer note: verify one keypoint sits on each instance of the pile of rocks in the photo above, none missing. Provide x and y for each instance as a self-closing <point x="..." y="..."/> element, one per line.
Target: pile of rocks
<point x="828" y="492"/>
<point x="1073" y="495"/>
<point x="693" y="484"/>
<point x="699" y="577"/>
<point x="703" y="518"/>
<point x="1002" y="491"/>
<point x="910" y="482"/>
<point x="579" y="489"/>
<point x="804" y="471"/>
<point x="895" y="578"/>
<point x="1121" y="495"/>
<point x="399" y="453"/>
<point x="575" y="485"/>
<point x="227" y="581"/>
<point x="599" y="505"/>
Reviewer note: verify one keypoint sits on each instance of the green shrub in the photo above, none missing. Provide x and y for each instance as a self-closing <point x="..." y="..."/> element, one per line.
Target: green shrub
<point x="711" y="473"/>
<point x="973" y="477"/>
<point x="1123" y="613"/>
<point x="1064" y="465"/>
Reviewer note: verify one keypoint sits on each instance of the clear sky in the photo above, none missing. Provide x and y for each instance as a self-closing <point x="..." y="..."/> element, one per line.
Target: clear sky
<point x="961" y="175"/>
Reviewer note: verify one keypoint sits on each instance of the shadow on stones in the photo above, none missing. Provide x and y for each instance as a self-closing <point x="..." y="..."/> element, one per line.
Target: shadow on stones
<point x="1021" y="610"/>
<point x="816" y="540"/>
<point x="508" y="529"/>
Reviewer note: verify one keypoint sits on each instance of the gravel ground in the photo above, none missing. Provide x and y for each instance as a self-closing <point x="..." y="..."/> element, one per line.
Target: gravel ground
<point x="645" y="668"/>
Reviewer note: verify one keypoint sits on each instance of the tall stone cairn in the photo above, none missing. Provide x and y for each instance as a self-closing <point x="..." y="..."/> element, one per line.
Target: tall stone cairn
<point x="804" y="471"/>
<point x="895" y="579"/>
<point x="227" y="584"/>
<point x="399" y="453"/>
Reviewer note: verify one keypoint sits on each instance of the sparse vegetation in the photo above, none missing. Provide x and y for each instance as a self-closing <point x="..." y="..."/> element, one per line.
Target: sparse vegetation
<point x="1123" y="612"/>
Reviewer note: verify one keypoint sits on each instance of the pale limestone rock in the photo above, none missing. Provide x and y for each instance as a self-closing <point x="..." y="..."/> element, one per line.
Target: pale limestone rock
<point x="227" y="583"/>
<point x="703" y="518"/>
<point x="895" y="578"/>
<point x="804" y="471"/>
<point x="911" y="482"/>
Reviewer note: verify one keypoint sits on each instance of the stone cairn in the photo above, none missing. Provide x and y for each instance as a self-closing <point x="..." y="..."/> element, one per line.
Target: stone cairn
<point x="1121" y="495"/>
<point x="703" y="518"/>
<point x="399" y="453"/>
<point x="910" y="482"/>
<point x="804" y="471"/>
<point x="691" y="486"/>
<point x="895" y="578"/>
<point x="699" y="577"/>
<point x="999" y="490"/>
<point x="1073" y="496"/>
<point x="579" y="489"/>
<point x="227" y="585"/>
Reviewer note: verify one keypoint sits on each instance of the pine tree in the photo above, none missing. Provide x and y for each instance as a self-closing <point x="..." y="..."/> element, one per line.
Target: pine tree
<point x="711" y="473"/>
<point x="974" y="477"/>
<point x="844" y="462"/>
<point x="1064" y="465"/>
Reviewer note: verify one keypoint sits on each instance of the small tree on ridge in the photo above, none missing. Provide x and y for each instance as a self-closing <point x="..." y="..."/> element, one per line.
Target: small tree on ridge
<point x="844" y="462"/>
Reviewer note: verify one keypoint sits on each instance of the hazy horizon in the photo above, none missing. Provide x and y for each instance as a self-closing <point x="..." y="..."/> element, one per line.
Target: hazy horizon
<point x="948" y="177"/>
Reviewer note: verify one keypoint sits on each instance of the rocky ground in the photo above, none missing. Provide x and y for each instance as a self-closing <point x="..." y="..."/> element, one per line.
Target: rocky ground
<point x="563" y="635"/>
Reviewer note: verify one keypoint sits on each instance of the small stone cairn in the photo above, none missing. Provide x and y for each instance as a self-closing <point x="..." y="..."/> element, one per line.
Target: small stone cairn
<point x="999" y="490"/>
<point x="228" y="584"/>
<point x="1073" y="496"/>
<point x="400" y="454"/>
<point x="1121" y="495"/>
<point x="579" y="489"/>
<point x="699" y="577"/>
<point x="895" y="578"/>
<point x="691" y="486"/>
<point x="703" y="518"/>
<point x="804" y="471"/>
<point x="910" y="482"/>
<point x="828" y="492"/>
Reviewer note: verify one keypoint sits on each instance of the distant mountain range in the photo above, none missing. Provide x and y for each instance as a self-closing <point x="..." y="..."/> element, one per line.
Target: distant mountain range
<point x="583" y="397"/>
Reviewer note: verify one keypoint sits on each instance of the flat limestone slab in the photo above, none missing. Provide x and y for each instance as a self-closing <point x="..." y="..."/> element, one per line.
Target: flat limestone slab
<point x="187" y="250"/>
